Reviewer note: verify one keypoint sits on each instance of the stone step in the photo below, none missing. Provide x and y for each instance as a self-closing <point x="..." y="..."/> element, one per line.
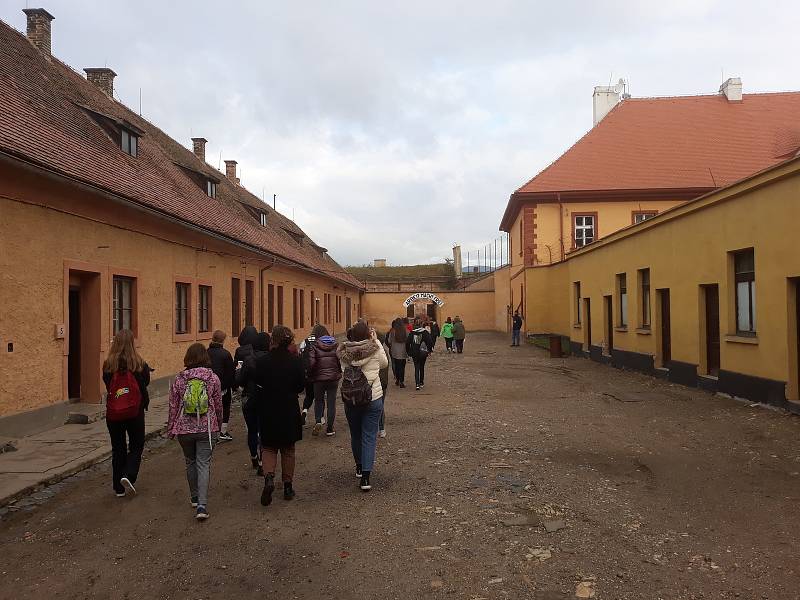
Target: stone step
<point x="83" y="413"/>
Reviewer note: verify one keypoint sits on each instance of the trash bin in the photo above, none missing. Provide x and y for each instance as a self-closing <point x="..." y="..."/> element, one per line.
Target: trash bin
<point x="555" y="346"/>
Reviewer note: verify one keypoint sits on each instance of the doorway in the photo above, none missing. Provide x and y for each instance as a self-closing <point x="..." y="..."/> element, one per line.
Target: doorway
<point x="431" y="312"/>
<point x="608" y="313"/>
<point x="74" y="345"/>
<point x="84" y="359"/>
<point x="666" y="340"/>
<point x="712" y="330"/>
<point x="587" y="333"/>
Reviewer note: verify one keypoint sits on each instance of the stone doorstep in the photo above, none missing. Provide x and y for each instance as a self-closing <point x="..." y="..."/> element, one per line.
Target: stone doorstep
<point x="90" y="460"/>
<point x="82" y="413"/>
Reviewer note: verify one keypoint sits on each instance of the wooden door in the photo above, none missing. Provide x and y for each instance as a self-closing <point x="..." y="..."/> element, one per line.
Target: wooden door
<point x="74" y="357"/>
<point x="348" y="307"/>
<point x="666" y="341"/>
<point x="712" y="329"/>
<point x="609" y="314"/>
<point x="587" y="312"/>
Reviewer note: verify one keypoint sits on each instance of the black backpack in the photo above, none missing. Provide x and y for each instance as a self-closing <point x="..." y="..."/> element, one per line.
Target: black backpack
<point x="356" y="389"/>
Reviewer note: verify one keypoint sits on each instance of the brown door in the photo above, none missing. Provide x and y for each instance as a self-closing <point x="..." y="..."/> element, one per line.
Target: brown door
<point x="587" y="310"/>
<point x="609" y="310"/>
<point x="666" y="341"/>
<point x="712" y="329"/>
<point x="348" y="307"/>
<point x="74" y="358"/>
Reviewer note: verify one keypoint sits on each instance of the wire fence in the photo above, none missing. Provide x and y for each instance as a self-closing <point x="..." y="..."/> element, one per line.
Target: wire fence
<point x="486" y="258"/>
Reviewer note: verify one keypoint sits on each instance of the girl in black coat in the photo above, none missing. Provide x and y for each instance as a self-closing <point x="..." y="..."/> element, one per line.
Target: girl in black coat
<point x="281" y="378"/>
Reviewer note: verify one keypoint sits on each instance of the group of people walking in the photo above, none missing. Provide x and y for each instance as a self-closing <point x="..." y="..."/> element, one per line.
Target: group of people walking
<point x="269" y="371"/>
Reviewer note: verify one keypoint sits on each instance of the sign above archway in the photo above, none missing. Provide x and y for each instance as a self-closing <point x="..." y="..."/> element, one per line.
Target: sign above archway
<point x="423" y="296"/>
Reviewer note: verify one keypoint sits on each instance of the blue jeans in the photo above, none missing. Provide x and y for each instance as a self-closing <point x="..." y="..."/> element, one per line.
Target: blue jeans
<point x="364" y="432"/>
<point x="515" y="337"/>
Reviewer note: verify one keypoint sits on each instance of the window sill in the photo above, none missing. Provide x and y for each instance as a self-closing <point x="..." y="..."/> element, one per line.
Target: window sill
<point x="577" y="326"/>
<point x="621" y="328"/>
<point x="644" y="331"/>
<point x="204" y="335"/>
<point x="742" y="339"/>
<point x="182" y="337"/>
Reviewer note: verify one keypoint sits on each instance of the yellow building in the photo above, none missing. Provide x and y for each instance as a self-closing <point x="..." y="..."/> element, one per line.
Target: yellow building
<point x="643" y="156"/>
<point x="705" y="293"/>
<point x="108" y="223"/>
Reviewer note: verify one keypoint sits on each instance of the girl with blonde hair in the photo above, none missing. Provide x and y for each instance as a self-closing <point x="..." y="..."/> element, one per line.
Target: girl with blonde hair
<point x="126" y="376"/>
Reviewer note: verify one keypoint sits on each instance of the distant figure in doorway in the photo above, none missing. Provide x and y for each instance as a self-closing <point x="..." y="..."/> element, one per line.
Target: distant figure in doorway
<point x="516" y="328"/>
<point x="362" y="359"/>
<point x="459" y="333"/>
<point x="396" y="340"/>
<point x="447" y="334"/>
<point x="126" y="377"/>
<point x="222" y="365"/>
<point x="195" y="414"/>
<point x="418" y="346"/>
<point x="325" y="371"/>
<point x="281" y="378"/>
<point x="435" y="333"/>
<point x="246" y="378"/>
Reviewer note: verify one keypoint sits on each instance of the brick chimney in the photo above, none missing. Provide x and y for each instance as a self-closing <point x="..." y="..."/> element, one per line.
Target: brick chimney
<point x="199" y="148"/>
<point x="39" y="28"/>
<point x="230" y="170"/>
<point x="732" y="89"/>
<point x="102" y="77"/>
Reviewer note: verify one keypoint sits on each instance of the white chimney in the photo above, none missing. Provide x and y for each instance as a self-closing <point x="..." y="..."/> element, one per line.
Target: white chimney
<point x="732" y="89"/>
<point x="605" y="98"/>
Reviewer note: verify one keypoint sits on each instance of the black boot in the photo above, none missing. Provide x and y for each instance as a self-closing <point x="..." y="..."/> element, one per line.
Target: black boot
<point x="288" y="491"/>
<point x="269" y="487"/>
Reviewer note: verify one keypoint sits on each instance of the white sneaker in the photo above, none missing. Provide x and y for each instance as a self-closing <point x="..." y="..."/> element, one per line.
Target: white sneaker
<point x="126" y="483"/>
<point x="382" y="433"/>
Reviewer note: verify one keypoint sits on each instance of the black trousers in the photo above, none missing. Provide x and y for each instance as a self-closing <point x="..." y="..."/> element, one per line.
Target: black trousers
<point x="308" y="401"/>
<point x="419" y="369"/>
<point x="459" y="346"/>
<point x="126" y="454"/>
<point x="399" y="369"/>
<point x="226" y="407"/>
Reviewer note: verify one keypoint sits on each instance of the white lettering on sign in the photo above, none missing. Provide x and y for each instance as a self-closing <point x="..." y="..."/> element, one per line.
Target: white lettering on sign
<point x="423" y="296"/>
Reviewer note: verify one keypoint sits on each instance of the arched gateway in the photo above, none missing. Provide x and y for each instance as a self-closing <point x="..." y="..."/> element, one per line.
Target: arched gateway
<point x="422" y="303"/>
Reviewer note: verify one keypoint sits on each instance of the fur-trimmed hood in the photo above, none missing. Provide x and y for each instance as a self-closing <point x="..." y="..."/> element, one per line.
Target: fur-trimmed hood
<point x="356" y="353"/>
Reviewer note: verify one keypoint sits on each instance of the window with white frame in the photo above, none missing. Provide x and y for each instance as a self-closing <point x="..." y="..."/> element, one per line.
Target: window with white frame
<point x="584" y="230"/>
<point x="745" y="274"/>
<point x="262" y="218"/>
<point x="211" y="188"/>
<point x="122" y="309"/>
<point x="640" y="216"/>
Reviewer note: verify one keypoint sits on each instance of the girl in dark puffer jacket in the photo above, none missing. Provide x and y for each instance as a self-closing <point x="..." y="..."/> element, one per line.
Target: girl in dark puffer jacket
<point x="325" y="371"/>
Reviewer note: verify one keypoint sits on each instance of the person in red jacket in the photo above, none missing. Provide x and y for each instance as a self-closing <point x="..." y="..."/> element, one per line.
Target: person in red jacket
<point x="325" y="371"/>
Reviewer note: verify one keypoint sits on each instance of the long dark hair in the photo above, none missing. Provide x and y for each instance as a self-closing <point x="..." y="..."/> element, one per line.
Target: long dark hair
<point x="400" y="332"/>
<point x="360" y="331"/>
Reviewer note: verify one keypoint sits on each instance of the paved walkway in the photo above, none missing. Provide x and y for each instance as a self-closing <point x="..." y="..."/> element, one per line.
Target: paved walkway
<point x="52" y="455"/>
<point x="511" y="475"/>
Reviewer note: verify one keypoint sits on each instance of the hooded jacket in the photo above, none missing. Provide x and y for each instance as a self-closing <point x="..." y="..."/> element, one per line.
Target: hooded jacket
<point x="246" y="340"/>
<point x="179" y="422"/>
<point x="459" y="332"/>
<point x="416" y="338"/>
<point x="246" y="376"/>
<point x="221" y="364"/>
<point x="323" y="364"/>
<point x="370" y="356"/>
<point x="447" y="330"/>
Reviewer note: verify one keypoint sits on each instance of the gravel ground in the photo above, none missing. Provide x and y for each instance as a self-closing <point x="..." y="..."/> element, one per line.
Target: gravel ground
<point x="512" y="475"/>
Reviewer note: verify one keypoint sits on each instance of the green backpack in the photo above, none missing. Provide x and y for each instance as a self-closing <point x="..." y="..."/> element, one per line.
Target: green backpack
<point x="195" y="398"/>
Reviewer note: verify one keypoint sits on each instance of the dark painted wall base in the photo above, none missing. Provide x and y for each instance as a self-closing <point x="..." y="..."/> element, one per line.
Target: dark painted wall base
<point x="750" y="387"/>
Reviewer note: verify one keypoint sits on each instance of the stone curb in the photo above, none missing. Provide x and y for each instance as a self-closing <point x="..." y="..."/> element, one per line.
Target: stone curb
<point x="95" y="458"/>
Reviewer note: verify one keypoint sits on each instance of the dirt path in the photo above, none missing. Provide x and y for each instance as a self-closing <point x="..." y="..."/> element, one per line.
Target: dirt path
<point x="663" y="492"/>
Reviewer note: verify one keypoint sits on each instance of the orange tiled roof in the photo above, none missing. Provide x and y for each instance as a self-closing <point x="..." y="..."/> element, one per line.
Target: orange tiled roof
<point x="44" y="120"/>
<point x="693" y="143"/>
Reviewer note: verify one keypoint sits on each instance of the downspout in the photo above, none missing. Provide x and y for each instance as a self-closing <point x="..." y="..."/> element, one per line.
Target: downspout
<point x="261" y="292"/>
<point x="560" y="225"/>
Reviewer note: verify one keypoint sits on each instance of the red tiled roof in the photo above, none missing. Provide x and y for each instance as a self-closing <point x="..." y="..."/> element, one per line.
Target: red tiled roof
<point x="43" y="119"/>
<point x="679" y="143"/>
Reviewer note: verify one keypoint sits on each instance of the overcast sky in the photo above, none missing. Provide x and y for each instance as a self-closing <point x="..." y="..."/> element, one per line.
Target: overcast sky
<point x="394" y="129"/>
